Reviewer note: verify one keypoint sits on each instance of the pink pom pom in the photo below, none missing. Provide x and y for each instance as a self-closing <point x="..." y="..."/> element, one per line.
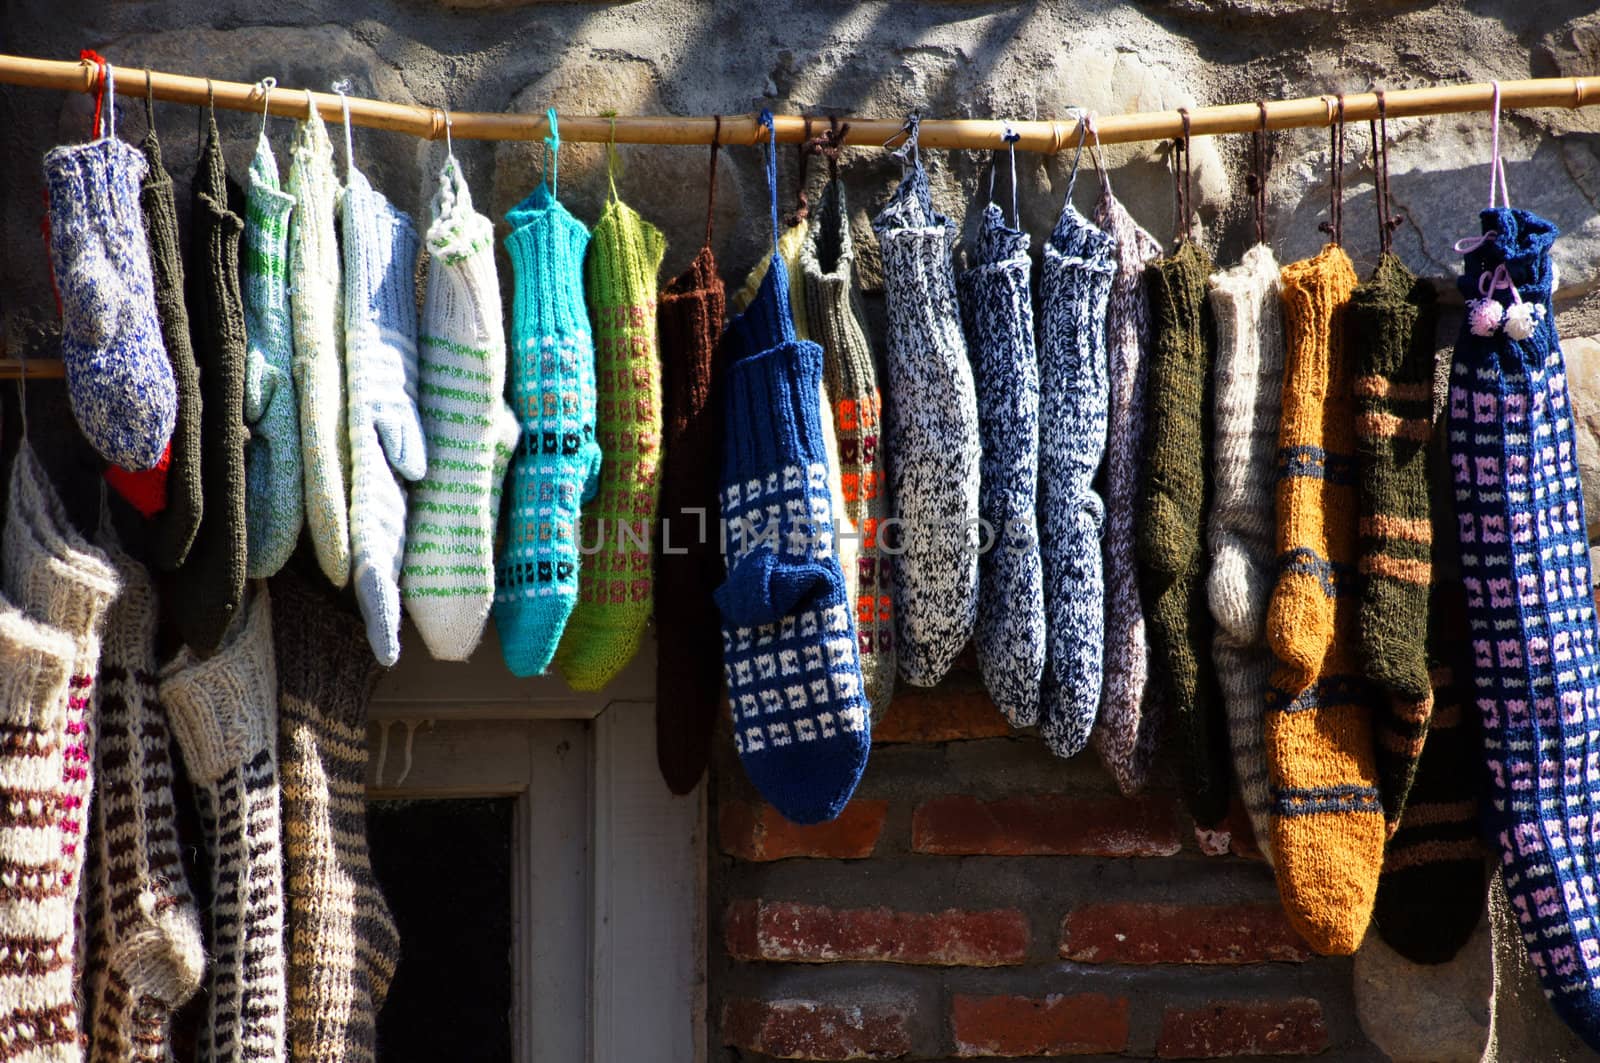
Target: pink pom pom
<point x="1484" y="316"/>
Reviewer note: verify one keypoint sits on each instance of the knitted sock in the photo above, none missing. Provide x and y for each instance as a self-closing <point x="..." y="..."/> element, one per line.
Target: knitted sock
<point x="224" y="714"/>
<point x="1173" y="501"/>
<point x="558" y="461"/>
<point x="380" y="362"/>
<point x="614" y="595"/>
<point x="146" y="957"/>
<point x="1131" y="711"/>
<point x="343" y="945"/>
<point x="1524" y="563"/>
<point x="1327" y="820"/>
<point x="64" y="586"/>
<point x="930" y="436"/>
<point x="447" y="579"/>
<point x="175" y="526"/>
<point x="1390" y="330"/>
<point x="1074" y="285"/>
<point x="209" y="590"/>
<point x="274" y="495"/>
<point x="850" y="378"/>
<point x="1242" y="531"/>
<point x="119" y="380"/>
<point x="997" y="309"/>
<point x="791" y="242"/>
<point x="315" y="301"/>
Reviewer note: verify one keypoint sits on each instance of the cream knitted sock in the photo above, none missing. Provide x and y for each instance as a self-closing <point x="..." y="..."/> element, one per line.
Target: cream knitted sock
<point x="224" y="713"/>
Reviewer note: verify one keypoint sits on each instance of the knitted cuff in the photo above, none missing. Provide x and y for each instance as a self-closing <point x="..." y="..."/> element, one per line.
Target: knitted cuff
<point x="322" y="652"/>
<point x="1522" y="243"/>
<point x="768" y="318"/>
<point x="35" y="663"/>
<point x="102" y="177"/>
<point x="547" y="246"/>
<point x="51" y="570"/>
<point x="773" y="421"/>
<point x="387" y="241"/>
<point x="633" y="258"/>
<point x="209" y="702"/>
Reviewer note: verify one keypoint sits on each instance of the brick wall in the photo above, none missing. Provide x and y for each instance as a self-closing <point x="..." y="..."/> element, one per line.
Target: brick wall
<point x="982" y="899"/>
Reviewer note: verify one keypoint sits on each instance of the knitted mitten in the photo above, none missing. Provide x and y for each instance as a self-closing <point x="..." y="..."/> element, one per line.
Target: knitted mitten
<point x="146" y="958"/>
<point x="930" y="436"/>
<point x="1173" y="501"/>
<point x="224" y="714"/>
<point x="210" y="587"/>
<point x="1525" y="561"/>
<point x="1131" y="711"/>
<point x="274" y="495"/>
<point x="1074" y="284"/>
<point x="64" y="586"/>
<point x="997" y="310"/>
<point x="343" y="946"/>
<point x="850" y="377"/>
<point x="448" y="576"/>
<point x="315" y="301"/>
<point x="1327" y="821"/>
<point x="380" y="362"/>
<point x="558" y="461"/>
<point x="614" y="595"/>
<point x="1242" y="532"/>
<point x="118" y="377"/>
<point x="1390" y="327"/>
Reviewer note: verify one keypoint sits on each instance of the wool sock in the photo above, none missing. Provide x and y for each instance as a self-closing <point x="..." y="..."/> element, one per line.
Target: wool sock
<point x="558" y="461"/>
<point x="1174" y="498"/>
<point x="224" y="714"/>
<point x="209" y="590"/>
<point x="1390" y="327"/>
<point x="930" y="436"/>
<point x="146" y="956"/>
<point x="1524" y="562"/>
<point x="175" y="526"/>
<point x="850" y="379"/>
<point x="119" y="380"/>
<point x="801" y="722"/>
<point x="447" y="579"/>
<point x="343" y="945"/>
<point x="1327" y="820"/>
<point x="614" y="591"/>
<point x="1242" y="531"/>
<point x="316" y="299"/>
<point x="380" y="363"/>
<point x="997" y="310"/>
<point x="1074" y="285"/>
<point x="274" y="494"/>
<point x="1131" y="710"/>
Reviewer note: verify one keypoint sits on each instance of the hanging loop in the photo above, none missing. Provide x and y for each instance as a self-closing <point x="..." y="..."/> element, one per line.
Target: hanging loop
<point x="98" y="79"/>
<point x="829" y="142"/>
<point x="804" y="150"/>
<point x="907" y="152"/>
<point x="111" y="100"/>
<point x="552" y="151"/>
<point x="1256" y="181"/>
<point x="1077" y="156"/>
<point x="1095" y="152"/>
<point x="1182" y="180"/>
<point x="265" y="87"/>
<point x="1388" y="221"/>
<point x="1334" y="226"/>
<point x="765" y="121"/>
<point x="149" y="102"/>
<point x="1497" y="167"/>
<point x="342" y="87"/>
<point x="612" y="158"/>
<point x="711" y="181"/>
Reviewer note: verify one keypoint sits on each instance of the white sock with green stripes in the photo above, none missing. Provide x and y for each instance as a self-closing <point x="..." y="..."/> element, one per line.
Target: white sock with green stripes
<point x="447" y="580"/>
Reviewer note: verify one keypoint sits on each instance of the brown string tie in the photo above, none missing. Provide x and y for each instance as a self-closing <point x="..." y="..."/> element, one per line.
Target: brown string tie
<point x="1334" y="226"/>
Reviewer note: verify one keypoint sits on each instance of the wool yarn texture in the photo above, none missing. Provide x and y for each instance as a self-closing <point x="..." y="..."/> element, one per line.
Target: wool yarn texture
<point x="1327" y="820"/>
<point x="274" y="494"/>
<point x="997" y="310"/>
<point x="558" y="462"/>
<point x="1525" y="566"/>
<point x="1242" y="531"/>
<point x="1174" y="499"/>
<point x="1390" y="326"/>
<point x="614" y="589"/>
<point x="145" y="953"/>
<point x="380" y="368"/>
<point x="209" y="590"/>
<point x="447" y="578"/>
<point x="62" y="587"/>
<point x="930" y="436"/>
<point x="119" y="381"/>
<point x="224" y="714"/>
<point x="343" y="945"/>
<point x="316" y="300"/>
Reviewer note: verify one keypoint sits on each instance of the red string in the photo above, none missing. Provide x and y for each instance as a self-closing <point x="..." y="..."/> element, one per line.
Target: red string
<point x="89" y="55"/>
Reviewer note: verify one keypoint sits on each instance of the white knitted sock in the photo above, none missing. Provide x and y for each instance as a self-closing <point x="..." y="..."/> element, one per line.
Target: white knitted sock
<point x="448" y="576"/>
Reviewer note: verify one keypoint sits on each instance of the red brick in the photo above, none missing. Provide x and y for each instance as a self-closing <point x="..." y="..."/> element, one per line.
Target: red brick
<point x="1079" y="1025"/>
<point x="1178" y="933"/>
<point x="782" y="932"/>
<point x="1046" y="825"/>
<point x="807" y="1029"/>
<point x="1223" y="1029"/>
<point x="940" y="714"/>
<point x="753" y="830"/>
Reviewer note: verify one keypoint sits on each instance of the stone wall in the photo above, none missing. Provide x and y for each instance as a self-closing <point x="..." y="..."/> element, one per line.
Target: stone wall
<point x="979" y="898"/>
